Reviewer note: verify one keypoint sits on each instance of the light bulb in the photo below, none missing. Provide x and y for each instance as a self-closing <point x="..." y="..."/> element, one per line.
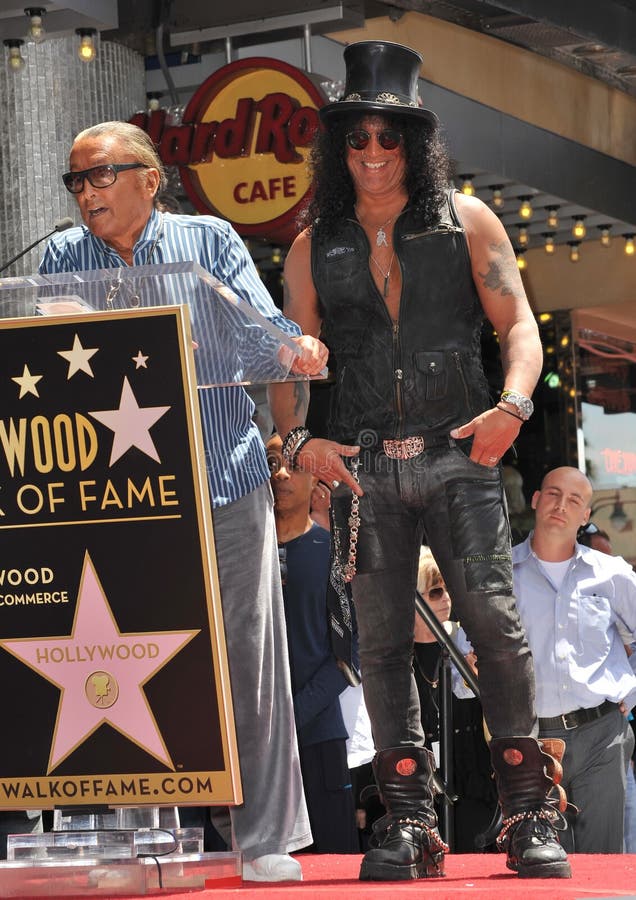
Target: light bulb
<point x="549" y="246"/>
<point x="522" y="262"/>
<point x="522" y="237"/>
<point x="578" y="229"/>
<point x="525" y="210"/>
<point x="15" y="60"/>
<point x="552" y="220"/>
<point x="86" y="50"/>
<point x="154" y="98"/>
<point x="629" y="245"/>
<point x="497" y="197"/>
<point x="35" y="31"/>
<point x="467" y="187"/>
<point x="605" y="235"/>
<point x="574" y="251"/>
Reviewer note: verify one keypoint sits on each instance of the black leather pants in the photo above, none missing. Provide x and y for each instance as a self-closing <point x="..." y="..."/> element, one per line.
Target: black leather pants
<point x="460" y="508"/>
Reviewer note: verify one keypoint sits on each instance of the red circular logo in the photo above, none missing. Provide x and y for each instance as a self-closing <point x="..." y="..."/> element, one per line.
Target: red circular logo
<point x="513" y="757"/>
<point x="406" y="767"/>
<point x="250" y="126"/>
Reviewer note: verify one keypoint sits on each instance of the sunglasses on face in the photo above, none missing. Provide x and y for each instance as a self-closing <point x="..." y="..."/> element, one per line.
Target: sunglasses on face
<point x="436" y="593"/>
<point x="98" y="176"/>
<point x="389" y="139"/>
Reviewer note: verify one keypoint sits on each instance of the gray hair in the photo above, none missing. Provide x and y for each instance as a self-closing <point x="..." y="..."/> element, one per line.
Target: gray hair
<point x="135" y="141"/>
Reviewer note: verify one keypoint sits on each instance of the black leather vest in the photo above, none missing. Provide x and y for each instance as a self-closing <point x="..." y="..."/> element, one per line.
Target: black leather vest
<point x="422" y="375"/>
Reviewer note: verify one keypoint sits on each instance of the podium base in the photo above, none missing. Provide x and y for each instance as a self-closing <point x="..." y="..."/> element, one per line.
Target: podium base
<point x="96" y="860"/>
<point x="95" y="877"/>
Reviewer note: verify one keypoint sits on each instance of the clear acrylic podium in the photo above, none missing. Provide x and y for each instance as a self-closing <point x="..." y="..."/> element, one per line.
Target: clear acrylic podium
<point x="106" y="851"/>
<point x="234" y="343"/>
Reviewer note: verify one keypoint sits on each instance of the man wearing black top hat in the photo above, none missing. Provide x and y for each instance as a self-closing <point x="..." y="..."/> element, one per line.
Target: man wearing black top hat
<point x="397" y="272"/>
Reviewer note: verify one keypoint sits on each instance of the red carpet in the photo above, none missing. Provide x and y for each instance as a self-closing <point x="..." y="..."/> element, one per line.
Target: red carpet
<point x="480" y="876"/>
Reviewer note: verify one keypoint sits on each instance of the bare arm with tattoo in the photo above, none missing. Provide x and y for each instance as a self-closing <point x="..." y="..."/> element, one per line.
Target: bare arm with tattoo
<point x="289" y="401"/>
<point x="503" y="298"/>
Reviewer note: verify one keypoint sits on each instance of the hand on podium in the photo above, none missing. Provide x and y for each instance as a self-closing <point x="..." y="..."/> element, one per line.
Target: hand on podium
<point x="313" y="359"/>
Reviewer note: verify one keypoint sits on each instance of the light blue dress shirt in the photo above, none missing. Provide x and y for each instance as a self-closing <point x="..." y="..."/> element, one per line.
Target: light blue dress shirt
<point x="573" y="632"/>
<point x="236" y="463"/>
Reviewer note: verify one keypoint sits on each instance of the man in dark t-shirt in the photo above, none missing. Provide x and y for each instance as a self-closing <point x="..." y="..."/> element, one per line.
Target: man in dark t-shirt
<point x="316" y="679"/>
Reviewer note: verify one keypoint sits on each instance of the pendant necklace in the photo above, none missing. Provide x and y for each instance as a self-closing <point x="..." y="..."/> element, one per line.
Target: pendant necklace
<point x="135" y="299"/>
<point x="386" y="275"/>
<point x="380" y="233"/>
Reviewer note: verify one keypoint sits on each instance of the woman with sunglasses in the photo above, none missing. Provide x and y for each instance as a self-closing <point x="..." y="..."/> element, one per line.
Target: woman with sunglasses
<point x="398" y="272"/>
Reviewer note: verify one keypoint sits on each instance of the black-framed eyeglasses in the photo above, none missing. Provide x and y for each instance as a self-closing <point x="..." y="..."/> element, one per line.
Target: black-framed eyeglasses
<point x="98" y="176"/>
<point x="389" y="139"/>
<point x="589" y="528"/>
<point x="436" y="593"/>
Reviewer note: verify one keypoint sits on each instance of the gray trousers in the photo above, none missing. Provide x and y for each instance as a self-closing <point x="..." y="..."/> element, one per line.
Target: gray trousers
<point x="273" y="817"/>
<point x="594" y="777"/>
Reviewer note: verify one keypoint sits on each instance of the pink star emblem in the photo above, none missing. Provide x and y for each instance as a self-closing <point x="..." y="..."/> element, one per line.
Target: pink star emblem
<point x="131" y="424"/>
<point x="101" y="673"/>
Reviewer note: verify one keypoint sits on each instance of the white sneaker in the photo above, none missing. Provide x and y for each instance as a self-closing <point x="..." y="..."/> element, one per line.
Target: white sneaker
<point x="272" y="867"/>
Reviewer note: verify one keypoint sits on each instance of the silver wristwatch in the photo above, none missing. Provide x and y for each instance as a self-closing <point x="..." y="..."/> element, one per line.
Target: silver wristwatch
<point x="524" y="405"/>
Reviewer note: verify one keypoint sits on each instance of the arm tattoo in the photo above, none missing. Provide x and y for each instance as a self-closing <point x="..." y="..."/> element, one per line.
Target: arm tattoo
<point x="503" y="273"/>
<point x="301" y="399"/>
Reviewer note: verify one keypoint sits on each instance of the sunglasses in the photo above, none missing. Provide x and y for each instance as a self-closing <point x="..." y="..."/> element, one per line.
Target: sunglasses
<point x="590" y="528"/>
<point x="389" y="139"/>
<point x="436" y="593"/>
<point x="98" y="176"/>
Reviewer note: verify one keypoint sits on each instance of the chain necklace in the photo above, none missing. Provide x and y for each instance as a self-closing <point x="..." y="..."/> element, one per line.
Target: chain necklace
<point x="135" y="299"/>
<point x="380" y="233"/>
<point x="386" y="275"/>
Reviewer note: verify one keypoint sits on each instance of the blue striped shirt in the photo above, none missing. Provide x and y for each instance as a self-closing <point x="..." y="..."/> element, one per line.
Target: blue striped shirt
<point x="235" y="456"/>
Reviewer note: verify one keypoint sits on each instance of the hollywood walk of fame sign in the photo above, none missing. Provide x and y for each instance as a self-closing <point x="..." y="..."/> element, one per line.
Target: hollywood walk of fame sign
<point x="112" y="655"/>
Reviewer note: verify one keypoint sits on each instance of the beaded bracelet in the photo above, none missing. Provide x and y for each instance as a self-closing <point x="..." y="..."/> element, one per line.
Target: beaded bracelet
<point x="510" y="413"/>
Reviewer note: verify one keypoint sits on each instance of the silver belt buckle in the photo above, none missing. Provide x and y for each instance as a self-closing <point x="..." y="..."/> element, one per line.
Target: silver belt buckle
<point x="404" y="449"/>
<point x="564" y="718"/>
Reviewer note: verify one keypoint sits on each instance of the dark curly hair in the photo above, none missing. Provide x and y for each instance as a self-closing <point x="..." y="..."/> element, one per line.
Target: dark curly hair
<point x="333" y="194"/>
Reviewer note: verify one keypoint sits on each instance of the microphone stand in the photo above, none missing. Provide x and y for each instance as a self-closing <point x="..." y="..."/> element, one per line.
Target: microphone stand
<point x="64" y="223"/>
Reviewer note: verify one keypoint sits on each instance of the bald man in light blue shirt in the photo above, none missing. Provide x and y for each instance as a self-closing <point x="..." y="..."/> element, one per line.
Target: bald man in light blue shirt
<point x="578" y="607"/>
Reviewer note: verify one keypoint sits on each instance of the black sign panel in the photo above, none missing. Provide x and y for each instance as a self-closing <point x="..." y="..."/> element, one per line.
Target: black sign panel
<point x="112" y="656"/>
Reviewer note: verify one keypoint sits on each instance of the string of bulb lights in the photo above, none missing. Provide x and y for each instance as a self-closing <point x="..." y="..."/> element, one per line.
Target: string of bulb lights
<point x="525" y="212"/>
<point x="36" y="33"/>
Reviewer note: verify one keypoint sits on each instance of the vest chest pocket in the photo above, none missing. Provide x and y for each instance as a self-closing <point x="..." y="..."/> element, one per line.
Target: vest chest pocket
<point x="432" y="369"/>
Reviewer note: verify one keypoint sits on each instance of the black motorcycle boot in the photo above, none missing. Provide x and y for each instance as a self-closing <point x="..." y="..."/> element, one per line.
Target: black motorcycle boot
<point x="406" y="843"/>
<point x="525" y="777"/>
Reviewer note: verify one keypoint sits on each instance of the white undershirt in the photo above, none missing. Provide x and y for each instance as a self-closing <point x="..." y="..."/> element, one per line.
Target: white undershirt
<point x="555" y="570"/>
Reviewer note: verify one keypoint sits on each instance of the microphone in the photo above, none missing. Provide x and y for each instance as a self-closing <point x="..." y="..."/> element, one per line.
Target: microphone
<point x="60" y="225"/>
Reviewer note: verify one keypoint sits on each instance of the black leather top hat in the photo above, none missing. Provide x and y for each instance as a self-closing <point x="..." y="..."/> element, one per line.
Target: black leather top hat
<point x="381" y="78"/>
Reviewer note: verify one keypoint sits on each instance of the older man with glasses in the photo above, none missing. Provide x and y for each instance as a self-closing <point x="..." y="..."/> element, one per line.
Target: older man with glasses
<point x="115" y="175"/>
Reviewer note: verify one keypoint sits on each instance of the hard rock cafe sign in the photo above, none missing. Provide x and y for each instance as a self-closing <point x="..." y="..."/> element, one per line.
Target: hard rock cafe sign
<point x="242" y="145"/>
